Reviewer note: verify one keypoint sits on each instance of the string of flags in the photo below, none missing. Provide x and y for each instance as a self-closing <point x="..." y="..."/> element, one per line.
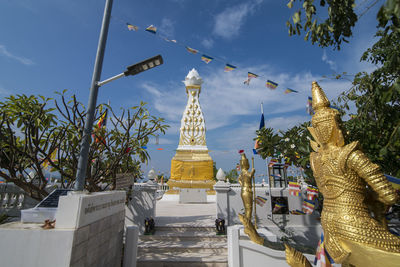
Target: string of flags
<point x="207" y="58"/>
<point x="228" y="67"/>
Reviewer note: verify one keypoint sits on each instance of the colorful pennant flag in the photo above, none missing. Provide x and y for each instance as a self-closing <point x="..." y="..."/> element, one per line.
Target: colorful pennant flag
<point x="144" y="147"/>
<point x="278" y="206"/>
<point x="229" y="67"/>
<point x="294" y="189"/>
<point x="151" y="29"/>
<point x="160" y="148"/>
<point x="312" y="193"/>
<point x="272" y="162"/>
<point x="308" y="206"/>
<point x="322" y="257"/>
<point x="101" y="123"/>
<point x="297" y="212"/>
<point x="102" y="120"/>
<point x="255" y="151"/>
<point x="132" y="27"/>
<point x="288" y="90"/>
<point x="309" y="108"/>
<point x="251" y="75"/>
<point x="271" y="85"/>
<point x="206" y="59"/>
<point x="261" y="200"/>
<point x="192" y="50"/>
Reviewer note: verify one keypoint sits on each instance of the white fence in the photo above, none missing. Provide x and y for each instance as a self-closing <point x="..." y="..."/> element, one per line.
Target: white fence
<point x="13" y="199"/>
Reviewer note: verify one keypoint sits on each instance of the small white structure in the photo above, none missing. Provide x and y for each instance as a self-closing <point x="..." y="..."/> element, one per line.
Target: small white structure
<point x="243" y="252"/>
<point x="88" y="232"/>
<point x="141" y="204"/>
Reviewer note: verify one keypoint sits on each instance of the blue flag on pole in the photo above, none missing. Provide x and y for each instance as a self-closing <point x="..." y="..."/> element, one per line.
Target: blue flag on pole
<point x="262" y="122"/>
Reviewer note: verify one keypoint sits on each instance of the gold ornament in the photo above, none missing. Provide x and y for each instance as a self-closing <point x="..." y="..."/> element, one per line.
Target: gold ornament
<point x="348" y="180"/>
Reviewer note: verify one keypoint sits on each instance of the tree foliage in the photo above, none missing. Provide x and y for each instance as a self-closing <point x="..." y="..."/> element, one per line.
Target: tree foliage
<point x="232" y="176"/>
<point x="376" y="95"/>
<point x="377" y="98"/>
<point x="292" y="146"/>
<point x="30" y="131"/>
<point x="340" y="18"/>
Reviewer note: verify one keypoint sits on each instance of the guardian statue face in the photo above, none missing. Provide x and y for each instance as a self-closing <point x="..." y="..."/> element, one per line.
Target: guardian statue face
<point x="244" y="162"/>
<point x="325" y="120"/>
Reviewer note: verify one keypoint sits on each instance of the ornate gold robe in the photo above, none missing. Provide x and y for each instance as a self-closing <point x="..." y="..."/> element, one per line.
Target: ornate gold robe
<point x="342" y="174"/>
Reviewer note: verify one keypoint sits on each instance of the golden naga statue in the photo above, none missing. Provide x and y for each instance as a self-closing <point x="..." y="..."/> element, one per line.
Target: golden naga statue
<point x="349" y="182"/>
<point x="245" y="180"/>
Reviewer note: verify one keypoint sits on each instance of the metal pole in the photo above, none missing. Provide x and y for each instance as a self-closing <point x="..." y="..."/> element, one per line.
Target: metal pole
<point x="254" y="196"/>
<point x="111" y="79"/>
<point x="83" y="155"/>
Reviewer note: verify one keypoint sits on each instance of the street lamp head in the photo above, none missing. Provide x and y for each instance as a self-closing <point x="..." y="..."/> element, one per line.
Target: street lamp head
<point x="144" y="65"/>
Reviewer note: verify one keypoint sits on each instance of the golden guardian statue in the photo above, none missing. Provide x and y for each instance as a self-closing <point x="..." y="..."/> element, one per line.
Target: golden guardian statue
<point x="346" y="178"/>
<point x="245" y="180"/>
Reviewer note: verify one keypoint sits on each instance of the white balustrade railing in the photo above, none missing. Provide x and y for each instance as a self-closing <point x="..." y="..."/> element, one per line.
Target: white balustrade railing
<point x="13" y="199"/>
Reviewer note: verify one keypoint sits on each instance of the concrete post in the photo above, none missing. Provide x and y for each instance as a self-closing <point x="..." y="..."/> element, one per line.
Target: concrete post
<point x="233" y="246"/>
<point x="222" y="189"/>
<point x="131" y="245"/>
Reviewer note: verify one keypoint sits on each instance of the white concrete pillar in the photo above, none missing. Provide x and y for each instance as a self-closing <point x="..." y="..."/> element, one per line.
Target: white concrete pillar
<point x="222" y="189"/>
<point x="131" y="245"/>
<point x="233" y="246"/>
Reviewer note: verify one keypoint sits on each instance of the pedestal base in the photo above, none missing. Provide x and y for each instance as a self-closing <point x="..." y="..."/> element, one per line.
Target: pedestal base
<point x="188" y="195"/>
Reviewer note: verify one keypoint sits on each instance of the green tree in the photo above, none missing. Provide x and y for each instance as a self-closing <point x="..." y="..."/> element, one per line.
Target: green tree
<point x="291" y="145"/>
<point x="30" y="132"/>
<point x="376" y="95"/>
<point x="232" y="176"/>
<point x="340" y="19"/>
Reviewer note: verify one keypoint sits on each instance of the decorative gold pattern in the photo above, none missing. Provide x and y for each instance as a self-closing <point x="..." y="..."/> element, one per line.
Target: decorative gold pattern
<point x="193" y="131"/>
<point x="346" y="177"/>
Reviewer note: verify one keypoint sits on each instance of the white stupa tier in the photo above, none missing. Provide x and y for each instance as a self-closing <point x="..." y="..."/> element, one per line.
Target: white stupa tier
<point x="193" y="127"/>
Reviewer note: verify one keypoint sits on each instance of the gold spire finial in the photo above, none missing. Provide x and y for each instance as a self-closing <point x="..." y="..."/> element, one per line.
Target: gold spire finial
<point x="319" y="99"/>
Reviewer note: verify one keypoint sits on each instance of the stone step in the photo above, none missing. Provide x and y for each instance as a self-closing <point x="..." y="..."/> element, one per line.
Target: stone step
<point x="178" y="238"/>
<point x="183" y="258"/>
<point x="184" y="228"/>
<point x="183" y="245"/>
<point x="188" y="243"/>
<point x="178" y="249"/>
<point x="180" y="264"/>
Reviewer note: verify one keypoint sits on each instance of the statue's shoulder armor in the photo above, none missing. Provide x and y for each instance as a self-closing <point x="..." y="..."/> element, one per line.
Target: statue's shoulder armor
<point x="345" y="153"/>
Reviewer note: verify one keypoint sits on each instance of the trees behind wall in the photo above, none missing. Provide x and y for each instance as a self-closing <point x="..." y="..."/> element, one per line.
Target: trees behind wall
<point x="35" y="135"/>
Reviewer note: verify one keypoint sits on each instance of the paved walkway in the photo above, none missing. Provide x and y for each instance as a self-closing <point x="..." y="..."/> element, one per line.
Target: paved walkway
<point x="169" y="212"/>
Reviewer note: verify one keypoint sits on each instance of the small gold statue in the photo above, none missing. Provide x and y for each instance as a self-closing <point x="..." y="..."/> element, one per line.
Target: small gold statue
<point x="345" y="177"/>
<point x="245" y="180"/>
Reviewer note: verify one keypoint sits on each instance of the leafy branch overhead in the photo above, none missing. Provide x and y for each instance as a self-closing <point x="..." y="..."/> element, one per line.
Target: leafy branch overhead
<point x="338" y="21"/>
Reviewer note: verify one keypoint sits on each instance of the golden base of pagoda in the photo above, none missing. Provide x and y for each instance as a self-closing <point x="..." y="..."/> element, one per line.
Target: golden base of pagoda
<point x="209" y="184"/>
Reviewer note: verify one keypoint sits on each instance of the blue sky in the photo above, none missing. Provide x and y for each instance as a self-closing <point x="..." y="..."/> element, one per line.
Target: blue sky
<point x="50" y="45"/>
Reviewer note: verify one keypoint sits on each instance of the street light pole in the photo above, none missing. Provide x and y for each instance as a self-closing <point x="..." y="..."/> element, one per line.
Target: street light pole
<point x="83" y="155"/>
